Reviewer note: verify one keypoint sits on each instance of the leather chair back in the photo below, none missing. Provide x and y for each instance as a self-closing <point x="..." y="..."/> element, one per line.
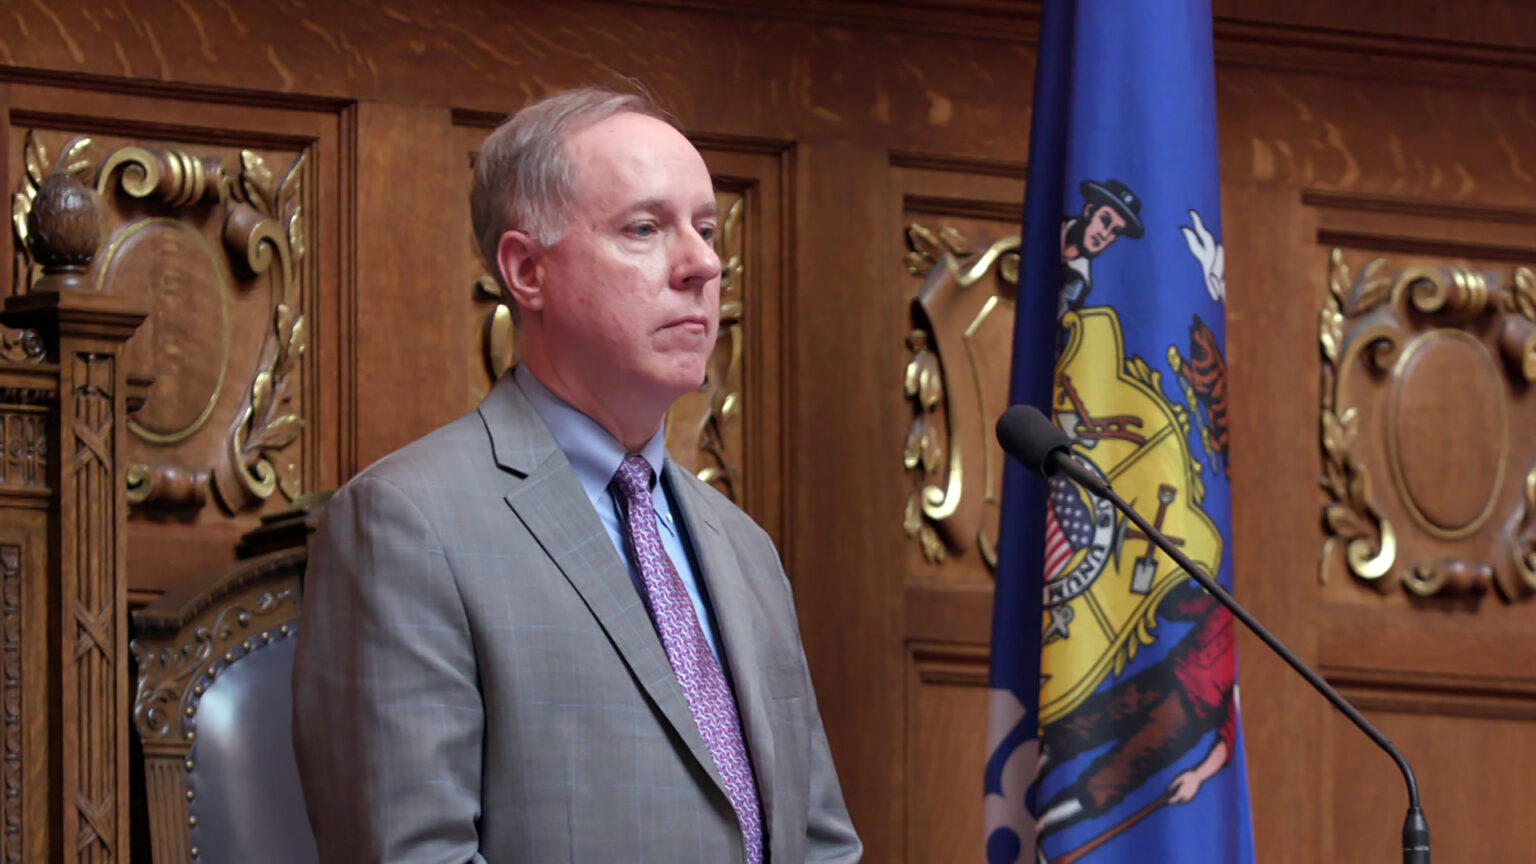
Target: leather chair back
<point x="214" y="714"/>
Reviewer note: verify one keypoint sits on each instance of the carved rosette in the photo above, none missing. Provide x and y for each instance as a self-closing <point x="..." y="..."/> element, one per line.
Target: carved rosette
<point x="24" y="443"/>
<point x="1429" y="484"/>
<point x="21" y="346"/>
<point x="262" y="234"/>
<point x="961" y="320"/>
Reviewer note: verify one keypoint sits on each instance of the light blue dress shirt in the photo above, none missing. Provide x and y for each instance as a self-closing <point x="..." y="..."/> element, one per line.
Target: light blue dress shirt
<point x="596" y="455"/>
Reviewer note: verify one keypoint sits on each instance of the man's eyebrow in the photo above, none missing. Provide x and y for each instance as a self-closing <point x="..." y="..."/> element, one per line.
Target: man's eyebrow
<point x="651" y="204"/>
<point x="711" y="210"/>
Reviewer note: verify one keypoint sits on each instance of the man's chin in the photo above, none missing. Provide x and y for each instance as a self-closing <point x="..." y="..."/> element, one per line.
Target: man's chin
<point x="673" y="384"/>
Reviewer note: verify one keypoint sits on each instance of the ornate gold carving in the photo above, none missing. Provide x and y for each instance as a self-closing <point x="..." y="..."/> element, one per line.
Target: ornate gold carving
<point x="1350" y="518"/>
<point x="167" y="484"/>
<point x="1448" y="575"/>
<point x="267" y="223"/>
<point x="262" y="226"/>
<point x="174" y="176"/>
<point x="266" y="425"/>
<point x="949" y="453"/>
<point x="11" y="697"/>
<point x="1416" y="338"/>
<point x="497" y="335"/>
<point x="58" y="219"/>
<point x="1521" y="536"/>
<point x="722" y="381"/>
<point x="924" y="452"/>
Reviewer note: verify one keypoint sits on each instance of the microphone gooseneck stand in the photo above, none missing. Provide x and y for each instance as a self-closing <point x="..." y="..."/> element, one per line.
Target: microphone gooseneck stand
<point x="1045" y="450"/>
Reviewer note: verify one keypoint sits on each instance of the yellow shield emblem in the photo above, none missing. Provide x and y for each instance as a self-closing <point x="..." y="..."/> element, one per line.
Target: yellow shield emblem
<point x="1101" y="599"/>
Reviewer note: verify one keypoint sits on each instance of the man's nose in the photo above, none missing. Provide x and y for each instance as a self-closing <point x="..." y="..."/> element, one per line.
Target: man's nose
<point x="695" y="262"/>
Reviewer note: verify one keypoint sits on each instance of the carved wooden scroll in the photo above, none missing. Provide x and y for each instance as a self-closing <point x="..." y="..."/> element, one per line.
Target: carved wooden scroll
<point x="1428" y="463"/>
<point x="962" y="323"/>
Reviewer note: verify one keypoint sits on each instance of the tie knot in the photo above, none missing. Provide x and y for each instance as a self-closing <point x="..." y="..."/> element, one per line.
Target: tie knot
<point x="634" y="476"/>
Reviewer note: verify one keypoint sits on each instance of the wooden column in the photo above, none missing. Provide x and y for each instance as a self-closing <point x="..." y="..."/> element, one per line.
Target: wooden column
<point x="88" y="696"/>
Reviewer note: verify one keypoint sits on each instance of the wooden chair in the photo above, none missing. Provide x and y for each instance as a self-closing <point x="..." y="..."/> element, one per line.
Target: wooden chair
<point x="214" y="711"/>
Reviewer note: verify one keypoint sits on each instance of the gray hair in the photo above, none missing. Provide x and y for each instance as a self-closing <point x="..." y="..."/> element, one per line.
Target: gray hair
<point x="523" y="178"/>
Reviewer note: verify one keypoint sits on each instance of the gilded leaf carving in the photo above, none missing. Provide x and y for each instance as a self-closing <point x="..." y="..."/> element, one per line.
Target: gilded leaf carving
<point x="965" y="292"/>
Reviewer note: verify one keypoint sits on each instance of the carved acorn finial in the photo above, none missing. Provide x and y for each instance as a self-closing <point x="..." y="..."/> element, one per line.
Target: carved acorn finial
<point x="64" y="232"/>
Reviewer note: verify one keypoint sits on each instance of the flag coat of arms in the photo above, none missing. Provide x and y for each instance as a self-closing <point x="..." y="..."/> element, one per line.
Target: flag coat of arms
<point x="1114" y="731"/>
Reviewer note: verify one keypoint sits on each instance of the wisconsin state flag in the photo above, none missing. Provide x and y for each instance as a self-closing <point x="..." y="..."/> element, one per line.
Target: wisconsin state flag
<point x="1114" y="733"/>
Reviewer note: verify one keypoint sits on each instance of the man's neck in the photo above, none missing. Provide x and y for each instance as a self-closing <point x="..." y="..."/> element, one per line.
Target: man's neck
<point x="632" y="428"/>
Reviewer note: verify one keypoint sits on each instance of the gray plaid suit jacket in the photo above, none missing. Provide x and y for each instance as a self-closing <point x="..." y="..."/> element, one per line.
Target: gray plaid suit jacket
<point x="477" y="678"/>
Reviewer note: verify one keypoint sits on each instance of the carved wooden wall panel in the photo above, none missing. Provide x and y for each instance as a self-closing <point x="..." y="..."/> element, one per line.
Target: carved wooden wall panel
<point x="220" y="227"/>
<point x="959" y="273"/>
<point x="1338" y="164"/>
<point x="1425" y="333"/>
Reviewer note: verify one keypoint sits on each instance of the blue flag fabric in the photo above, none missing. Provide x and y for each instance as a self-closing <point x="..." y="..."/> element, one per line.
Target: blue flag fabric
<point x="1113" y="728"/>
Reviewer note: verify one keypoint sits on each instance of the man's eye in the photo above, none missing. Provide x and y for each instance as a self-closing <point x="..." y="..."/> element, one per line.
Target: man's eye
<point x="708" y="233"/>
<point x="642" y="229"/>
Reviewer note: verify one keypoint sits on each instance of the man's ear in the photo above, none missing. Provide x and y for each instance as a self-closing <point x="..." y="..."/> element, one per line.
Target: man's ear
<point x="1088" y="208"/>
<point x="520" y="259"/>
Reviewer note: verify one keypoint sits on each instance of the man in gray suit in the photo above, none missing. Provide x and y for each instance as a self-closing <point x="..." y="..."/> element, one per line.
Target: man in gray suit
<point x="530" y="636"/>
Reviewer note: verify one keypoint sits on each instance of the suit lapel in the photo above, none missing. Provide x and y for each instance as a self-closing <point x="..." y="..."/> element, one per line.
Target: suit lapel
<point x="738" y="612"/>
<point x="549" y="500"/>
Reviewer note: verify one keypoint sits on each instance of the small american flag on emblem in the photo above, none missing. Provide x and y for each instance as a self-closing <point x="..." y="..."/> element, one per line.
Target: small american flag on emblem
<point x="1068" y="526"/>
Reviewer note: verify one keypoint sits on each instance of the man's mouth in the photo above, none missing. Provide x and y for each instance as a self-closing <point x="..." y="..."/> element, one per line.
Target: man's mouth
<point x="689" y="323"/>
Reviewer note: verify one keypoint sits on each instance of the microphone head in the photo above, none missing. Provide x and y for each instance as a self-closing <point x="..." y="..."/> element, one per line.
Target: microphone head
<point x="1030" y="437"/>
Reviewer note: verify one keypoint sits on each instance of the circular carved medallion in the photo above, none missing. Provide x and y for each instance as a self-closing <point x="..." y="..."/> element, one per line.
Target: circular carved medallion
<point x="1447" y="432"/>
<point x="166" y="267"/>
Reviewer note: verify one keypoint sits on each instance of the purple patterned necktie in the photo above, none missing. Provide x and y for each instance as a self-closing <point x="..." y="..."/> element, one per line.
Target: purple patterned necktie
<point x="697" y="668"/>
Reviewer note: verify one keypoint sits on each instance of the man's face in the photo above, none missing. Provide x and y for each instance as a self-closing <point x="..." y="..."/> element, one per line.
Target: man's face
<point x="632" y="295"/>
<point x="1103" y="226"/>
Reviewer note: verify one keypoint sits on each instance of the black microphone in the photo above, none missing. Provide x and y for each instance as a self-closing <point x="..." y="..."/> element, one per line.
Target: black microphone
<point x="1030" y="437"/>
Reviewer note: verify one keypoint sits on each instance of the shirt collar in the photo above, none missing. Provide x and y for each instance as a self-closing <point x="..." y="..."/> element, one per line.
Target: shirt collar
<point x="592" y="452"/>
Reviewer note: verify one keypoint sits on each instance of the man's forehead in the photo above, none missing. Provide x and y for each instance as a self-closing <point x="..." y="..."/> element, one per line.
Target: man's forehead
<point x="635" y="155"/>
<point x="631" y="138"/>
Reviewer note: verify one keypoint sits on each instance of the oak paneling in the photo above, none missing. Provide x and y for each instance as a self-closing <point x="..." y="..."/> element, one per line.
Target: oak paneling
<point x="946" y="750"/>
